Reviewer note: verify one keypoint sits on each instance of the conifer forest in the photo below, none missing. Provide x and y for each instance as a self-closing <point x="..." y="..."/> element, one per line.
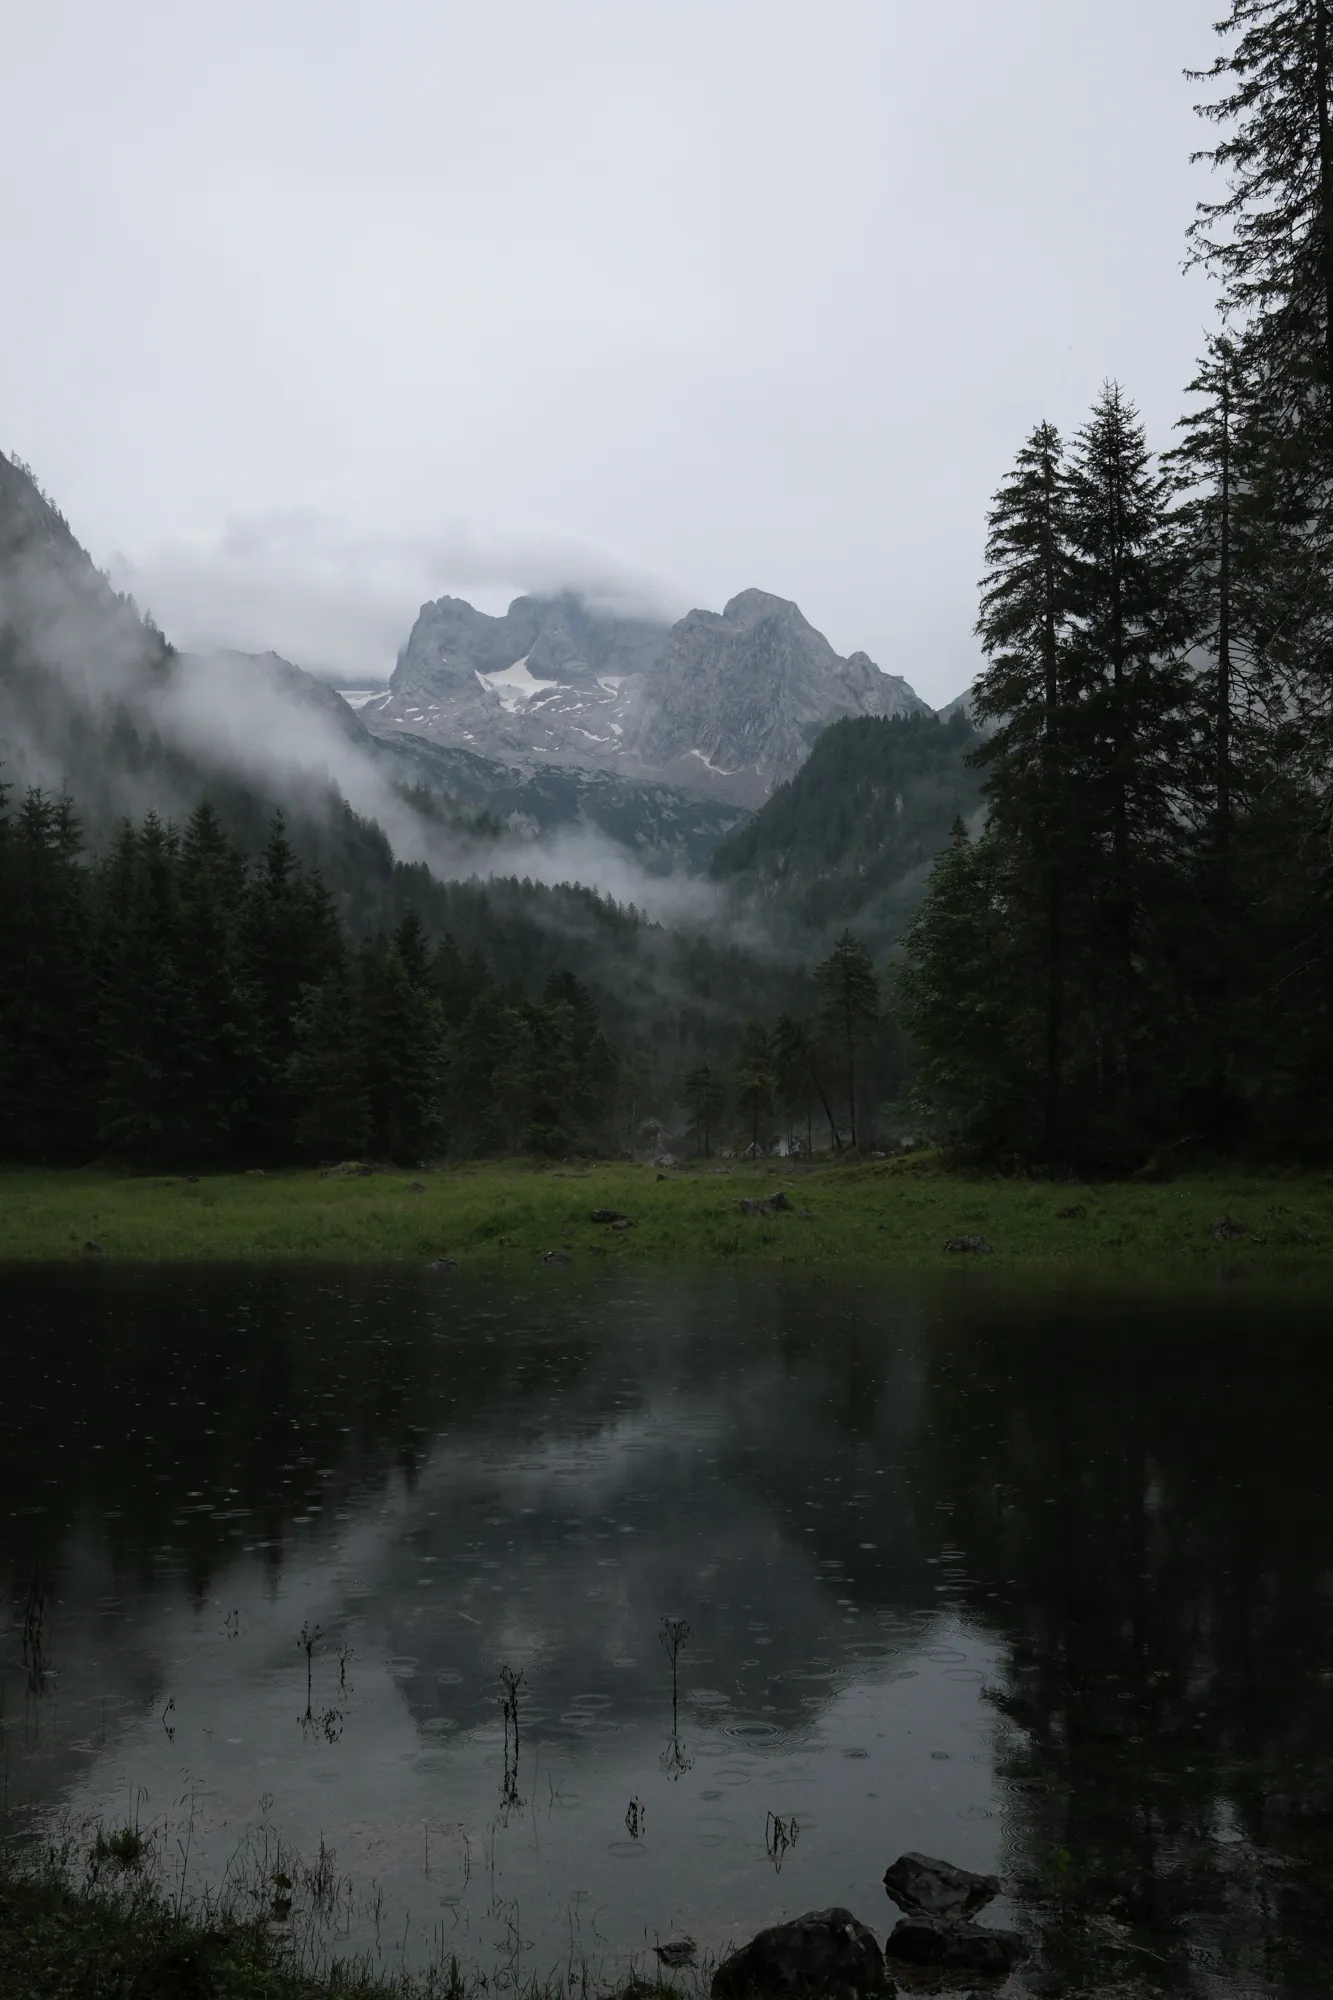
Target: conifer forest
<point x="1136" y="949"/>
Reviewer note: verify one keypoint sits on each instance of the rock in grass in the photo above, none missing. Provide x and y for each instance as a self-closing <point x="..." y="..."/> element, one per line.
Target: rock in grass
<point x="93" y="1249"/>
<point x="678" y="1951"/>
<point x="556" y="1257"/>
<point x="608" y="1215"/>
<point x="774" y="1204"/>
<point x="825" y="1952"/>
<point x="1074" y="1213"/>
<point x="961" y="1246"/>
<point x="937" y="1888"/>
<point x="443" y="1264"/>
<point x="1228" y="1226"/>
<point x="416" y="1187"/>
<point x="948" y="1944"/>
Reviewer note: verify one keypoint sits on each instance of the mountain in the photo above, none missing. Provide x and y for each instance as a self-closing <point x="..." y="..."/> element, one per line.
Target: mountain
<point x="726" y="704"/>
<point x="851" y="838"/>
<point x="547" y="677"/>
<point x="742" y="695"/>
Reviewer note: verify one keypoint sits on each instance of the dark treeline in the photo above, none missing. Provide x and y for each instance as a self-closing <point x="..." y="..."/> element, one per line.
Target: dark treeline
<point x="825" y="1078"/>
<point x="1137" y="950"/>
<point x="174" y="1003"/>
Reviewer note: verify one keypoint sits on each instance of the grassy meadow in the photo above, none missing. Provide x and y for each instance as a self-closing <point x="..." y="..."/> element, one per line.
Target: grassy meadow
<point x="899" y="1212"/>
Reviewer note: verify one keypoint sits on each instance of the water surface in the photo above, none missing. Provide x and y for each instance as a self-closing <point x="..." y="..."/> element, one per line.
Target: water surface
<point x="1040" y="1584"/>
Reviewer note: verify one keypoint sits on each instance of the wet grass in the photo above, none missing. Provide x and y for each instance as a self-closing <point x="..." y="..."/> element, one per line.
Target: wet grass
<point x="99" y="1926"/>
<point x="899" y="1212"/>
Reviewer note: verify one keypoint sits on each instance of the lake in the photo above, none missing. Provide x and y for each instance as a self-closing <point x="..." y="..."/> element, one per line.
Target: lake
<point x="581" y="1613"/>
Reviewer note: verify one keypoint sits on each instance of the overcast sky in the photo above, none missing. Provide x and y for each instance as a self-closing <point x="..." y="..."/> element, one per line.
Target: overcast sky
<point x="316" y="308"/>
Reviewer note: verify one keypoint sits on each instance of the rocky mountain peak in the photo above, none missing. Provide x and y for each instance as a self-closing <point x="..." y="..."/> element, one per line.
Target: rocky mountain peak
<point x="725" y="702"/>
<point x="748" y="606"/>
<point x="742" y="695"/>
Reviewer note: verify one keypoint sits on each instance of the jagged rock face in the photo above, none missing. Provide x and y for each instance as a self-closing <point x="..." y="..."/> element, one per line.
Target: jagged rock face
<point x="747" y="691"/>
<point x="725" y="703"/>
<point x="549" y="676"/>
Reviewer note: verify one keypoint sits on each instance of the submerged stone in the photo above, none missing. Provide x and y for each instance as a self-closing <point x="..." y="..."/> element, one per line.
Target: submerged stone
<point x="921" y="1882"/>
<point x="953" y="1945"/>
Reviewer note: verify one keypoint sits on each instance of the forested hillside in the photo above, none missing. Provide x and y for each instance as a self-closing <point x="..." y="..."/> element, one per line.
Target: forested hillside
<point x="175" y="1002"/>
<point x="1139" y="947"/>
<point x="854" y="833"/>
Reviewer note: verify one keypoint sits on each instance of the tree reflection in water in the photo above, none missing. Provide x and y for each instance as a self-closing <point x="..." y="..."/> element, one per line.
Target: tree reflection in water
<point x="1145" y="1509"/>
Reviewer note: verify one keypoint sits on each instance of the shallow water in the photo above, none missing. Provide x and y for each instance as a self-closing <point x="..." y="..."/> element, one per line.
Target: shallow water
<point x="1040" y="1584"/>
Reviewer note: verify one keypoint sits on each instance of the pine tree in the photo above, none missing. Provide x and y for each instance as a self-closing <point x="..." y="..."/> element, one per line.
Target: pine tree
<point x="1270" y="236"/>
<point x="414" y="949"/>
<point x="797" y="1069"/>
<point x="849" y="993"/>
<point x="754" y="1081"/>
<point x="144" y="1021"/>
<point x="588" y="1060"/>
<point x="476" y="1047"/>
<point x="326" y="1070"/>
<point x="1027" y="605"/>
<point x="49" y="1059"/>
<point x="706" y="1096"/>
<point x="1131" y="699"/>
<point x="966" y="998"/>
<point x="402" y="1035"/>
<point x="1269" y="239"/>
<point x="220" y="1006"/>
<point x="516" y="1082"/>
<point x="291" y="945"/>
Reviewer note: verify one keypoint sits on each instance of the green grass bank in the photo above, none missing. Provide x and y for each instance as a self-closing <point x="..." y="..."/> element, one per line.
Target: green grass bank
<point x="899" y="1213"/>
<point x="66" y="1938"/>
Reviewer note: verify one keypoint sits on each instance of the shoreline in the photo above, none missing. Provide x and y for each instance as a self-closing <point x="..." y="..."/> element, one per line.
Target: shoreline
<point x="897" y="1214"/>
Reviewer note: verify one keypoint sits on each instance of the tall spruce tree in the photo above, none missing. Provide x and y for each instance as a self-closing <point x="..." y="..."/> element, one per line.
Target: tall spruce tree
<point x="144" y="1021"/>
<point x="402" y="1037"/>
<point x="219" y="1003"/>
<point x="291" y="946"/>
<point x="1268" y="238"/>
<point x="326" y="1072"/>
<point x="1128" y="714"/>
<point x="49" y="1057"/>
<point x="706" y="1096"/>
<point x="965" y="995"/>
<point x="755" y="1082"/>
<point x="1031" y="760"/>
<point x="849" y="1006"/>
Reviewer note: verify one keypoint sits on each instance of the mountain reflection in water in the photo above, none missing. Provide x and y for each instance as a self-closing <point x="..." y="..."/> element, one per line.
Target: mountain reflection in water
<point x="1030" y="1580"/>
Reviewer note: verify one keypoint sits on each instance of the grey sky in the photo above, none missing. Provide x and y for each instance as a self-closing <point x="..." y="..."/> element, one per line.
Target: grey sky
<point x="317" y="308"/>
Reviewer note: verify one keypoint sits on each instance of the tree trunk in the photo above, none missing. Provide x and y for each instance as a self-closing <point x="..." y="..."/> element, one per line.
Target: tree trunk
<point x="1325" y="177"/>
<point x="832" y="1122"/>
<point x="1123" y="942"/>
<point x="1055" y="886"/>
<point x="1223" y="748"/>
<point x="851" y="1069"/>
